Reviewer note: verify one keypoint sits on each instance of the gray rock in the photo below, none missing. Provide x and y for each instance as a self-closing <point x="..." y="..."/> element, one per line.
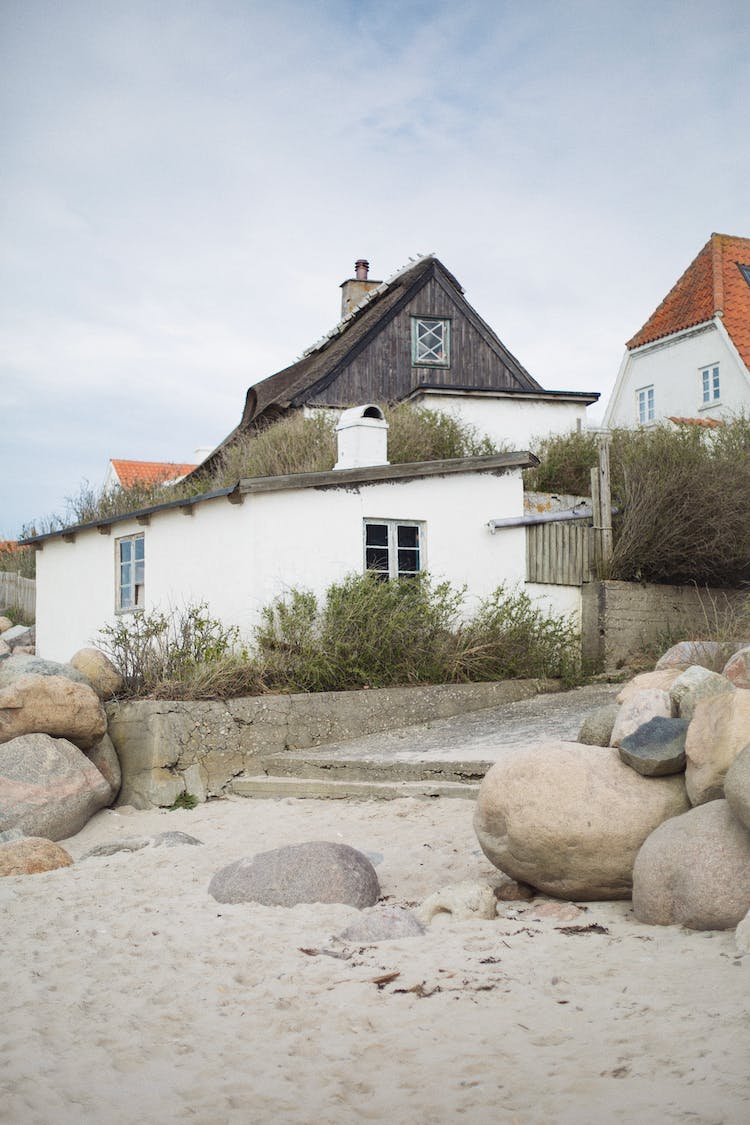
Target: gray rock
<point x="129" y="844"/>
<point x="11" y="834"/>
<point x="656" y="749"/>
<point x="104" y="757"/>
<point x="737" y="786"/>
<point x="21" y="664"/>
<point x="742" y="935"/>
<point x="596" y="729"/>
<point x="48" y="787"/>
<point x="640" y="708"/>
<point x="20" y="635"/>
<point x="737" y="669"/>
<point x="709" y="654"/>
<point x="383" y="923"/>
<point x="694" y="684"/>
<point x="174" y="839"/>
<point x="694" y="870"/>
<point x="315" y="872"/>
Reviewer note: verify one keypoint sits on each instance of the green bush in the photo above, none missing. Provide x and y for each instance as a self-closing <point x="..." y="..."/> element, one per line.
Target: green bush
<point x="566" y="461"/>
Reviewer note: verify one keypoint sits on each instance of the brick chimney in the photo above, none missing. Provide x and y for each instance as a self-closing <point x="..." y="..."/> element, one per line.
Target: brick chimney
<point x="357" y="287"/>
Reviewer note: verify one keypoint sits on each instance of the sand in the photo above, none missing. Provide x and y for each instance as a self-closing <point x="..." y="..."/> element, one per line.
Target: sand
<point x="129" y="995"/>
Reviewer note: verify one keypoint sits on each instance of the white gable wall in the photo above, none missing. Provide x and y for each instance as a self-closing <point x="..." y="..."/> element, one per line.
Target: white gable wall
<point x="673" y="367"/>
<point x="513" y="422"/>
<point x="237" y="558"/>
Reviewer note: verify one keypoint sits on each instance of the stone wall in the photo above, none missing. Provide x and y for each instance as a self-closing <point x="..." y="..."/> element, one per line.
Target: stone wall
<point x="167" y="748"/>
<point x="622" y="619"/>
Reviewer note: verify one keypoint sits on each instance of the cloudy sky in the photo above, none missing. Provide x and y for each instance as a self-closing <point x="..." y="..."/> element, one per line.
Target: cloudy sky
<point x="185" y="185"/>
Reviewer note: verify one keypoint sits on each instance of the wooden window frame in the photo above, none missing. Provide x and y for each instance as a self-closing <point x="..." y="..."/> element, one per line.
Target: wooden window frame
<point x="418" y="361"/>
<point x="709" y="383"/>
<point x="135" y="600"/>
<point x="392" y="547"/>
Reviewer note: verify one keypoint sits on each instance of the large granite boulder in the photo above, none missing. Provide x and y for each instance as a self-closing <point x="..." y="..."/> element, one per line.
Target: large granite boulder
<point x="737" y="786"/>
<point x="316" y="872"/>
<point x="709" y="654"/>
<point x="719" y="729"/>
<point x="639" y="709"/>
<point x="24" y="664"/>
<point x="31" y="855"/>
<point x="694" y="684"/>
<point x="54" y="705"/>
<point x="569" y="819"/>
<point x="656" y="749"/>
<point x="737" y="669"/>
<point x="648" y="681"/>
<point x="48" y="787"/>
<point x="98" y="670"/>
<point x="694" y="870"/>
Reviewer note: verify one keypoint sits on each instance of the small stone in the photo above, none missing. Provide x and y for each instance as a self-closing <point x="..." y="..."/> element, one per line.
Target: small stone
<point x="31" y="855"/>
<point x="511" y="891"/>
<point x="556" y="911"/>
<point x="461" y="900"/>
<point x="596" y="729"/>
<point x="383" y="923"/>
<point x="129" y="844"/>
<point x="656" y="749"/>
<point x="174" y="839"/>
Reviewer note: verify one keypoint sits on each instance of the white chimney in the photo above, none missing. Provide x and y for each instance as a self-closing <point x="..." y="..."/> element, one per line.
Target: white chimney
<point x="362" y="438"/>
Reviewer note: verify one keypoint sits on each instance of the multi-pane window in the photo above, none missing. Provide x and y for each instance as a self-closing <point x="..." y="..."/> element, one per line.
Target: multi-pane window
<point x="645" y="400"/>
<point x="430" y="341"/>
<point x="131" y="569"/>
<point x="710" y="385"/>
<point x="393" y="549"/>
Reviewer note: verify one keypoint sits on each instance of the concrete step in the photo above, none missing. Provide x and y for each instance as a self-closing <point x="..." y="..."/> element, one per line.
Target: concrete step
<point x="369" y="767"/>
<point x="265" y="785"/>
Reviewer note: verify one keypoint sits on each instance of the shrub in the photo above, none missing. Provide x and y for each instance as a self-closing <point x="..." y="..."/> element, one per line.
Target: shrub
<point x="17" y="560"/>
<point x="566" y="461"/>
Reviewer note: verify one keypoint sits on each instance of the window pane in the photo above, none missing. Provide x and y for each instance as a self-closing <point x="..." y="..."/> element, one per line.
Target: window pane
<point x="139" y="573"/>
<point x="139" y="547"/>
<point x="408" y="561"/>
<point x="125" y="550"/>
<point x="376" y="558"/>
<point x="376" y="535"/>
<point x="408" y="536"/>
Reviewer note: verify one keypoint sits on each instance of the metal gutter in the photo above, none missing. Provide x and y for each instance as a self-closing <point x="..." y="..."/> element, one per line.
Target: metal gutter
<point x="580" y="512"/>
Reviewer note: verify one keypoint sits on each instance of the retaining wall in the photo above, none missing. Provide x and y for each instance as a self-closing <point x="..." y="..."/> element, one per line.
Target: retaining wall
<point x="167" y="748"/>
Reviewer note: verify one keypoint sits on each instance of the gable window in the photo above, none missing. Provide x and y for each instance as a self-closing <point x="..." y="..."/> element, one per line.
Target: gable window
<point x="745" y="271"/>
<point x="393" y="549"/>
<point x="710" y="385"/>
<point x="430" y="341"/>
<point x="131" y="567"/>
<point x="645" y="401"/>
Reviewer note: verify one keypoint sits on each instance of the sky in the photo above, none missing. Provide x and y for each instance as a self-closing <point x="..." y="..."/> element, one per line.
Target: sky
<point x="186" y="184"/>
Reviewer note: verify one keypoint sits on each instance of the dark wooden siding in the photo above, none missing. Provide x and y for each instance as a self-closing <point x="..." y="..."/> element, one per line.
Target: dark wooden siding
<point x="382" y="371"/>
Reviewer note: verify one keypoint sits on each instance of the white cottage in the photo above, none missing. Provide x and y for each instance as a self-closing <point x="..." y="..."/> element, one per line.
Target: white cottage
<point x="237" y="549"/>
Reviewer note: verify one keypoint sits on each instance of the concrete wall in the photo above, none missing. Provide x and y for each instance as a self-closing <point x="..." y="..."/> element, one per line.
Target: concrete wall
<point x="511" y="422"/>
<point x="167" y="748"/>
<point x="237" y="558"/>
<point x="674" y="367"/>
<point x="621" y="620"/>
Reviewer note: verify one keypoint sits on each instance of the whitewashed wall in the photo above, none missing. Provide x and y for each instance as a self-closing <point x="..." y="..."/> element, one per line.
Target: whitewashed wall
<point x="511" y="422"/>
<point x="674" y="368"/>
<point x="237" y="558"/>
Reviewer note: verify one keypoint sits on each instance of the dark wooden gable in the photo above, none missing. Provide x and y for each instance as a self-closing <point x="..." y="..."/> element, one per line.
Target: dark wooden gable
<point x="380" y="368"/>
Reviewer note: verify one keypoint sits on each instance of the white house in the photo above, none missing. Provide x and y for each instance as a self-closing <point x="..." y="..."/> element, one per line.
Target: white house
<point x="691" y="359"/>
<point x="238" y="548"/>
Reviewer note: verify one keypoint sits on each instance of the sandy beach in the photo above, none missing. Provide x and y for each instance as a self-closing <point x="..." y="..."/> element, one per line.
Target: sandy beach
<point x="130" y="995"/>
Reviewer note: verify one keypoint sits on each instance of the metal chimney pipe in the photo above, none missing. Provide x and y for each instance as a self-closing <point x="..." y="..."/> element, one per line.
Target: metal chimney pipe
<point x="362" y="268"/>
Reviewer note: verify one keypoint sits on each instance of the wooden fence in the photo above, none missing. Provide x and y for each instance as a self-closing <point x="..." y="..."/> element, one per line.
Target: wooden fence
<point x="560" y="553"/>
<point x="18" y="593"/>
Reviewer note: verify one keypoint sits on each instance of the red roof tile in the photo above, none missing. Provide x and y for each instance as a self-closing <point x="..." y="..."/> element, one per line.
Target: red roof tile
<point x="712" y="285"/>
<point x="130" y="473"/>
<point x="707" y="423"/>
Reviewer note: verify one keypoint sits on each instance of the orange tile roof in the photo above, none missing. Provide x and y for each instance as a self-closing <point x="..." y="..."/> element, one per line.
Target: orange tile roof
<point x="712" y="285"/>
<point x="130" y="473"/>
<point x="707" y="423"/>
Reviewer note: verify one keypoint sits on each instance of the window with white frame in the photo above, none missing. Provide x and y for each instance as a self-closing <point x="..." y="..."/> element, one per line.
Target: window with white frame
<point x="131" y="572"/>
<point x="645" y="404"/>
<point x="430" y="340"/>
<point x="710" y="385"/>
<point x="393" y="549"/>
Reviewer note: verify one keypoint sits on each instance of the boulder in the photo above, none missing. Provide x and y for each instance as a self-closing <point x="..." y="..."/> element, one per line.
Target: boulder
<point x="383" y="923"/>
<point x="709" y="654"/>
<point x="569" y="819"/>
<point x="694" y="684"/>
<point x="737" y="786"/>
<point x="98" y="670"/>
<point x="639" y="709"/>
<point x="30" y="855"/>
<point x="53" y="705"/>
<point x="48" y="787"/>
<point x="23" y="664"/>
<point x="104" y="757"/>
<point x="648" y="681"/>
<point x="596" y="728"/>
<point x="694" y="870"/>
<point x="175" y="840"/>
<point x="656" y="749"/>
<point x="315" y="872"/>
<point x="737" y="669"/>
<point x="462" y="900"/>
<point x="719" y="729"/>
<point x="5" y="624"/>
<point x="20" y="635"/>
